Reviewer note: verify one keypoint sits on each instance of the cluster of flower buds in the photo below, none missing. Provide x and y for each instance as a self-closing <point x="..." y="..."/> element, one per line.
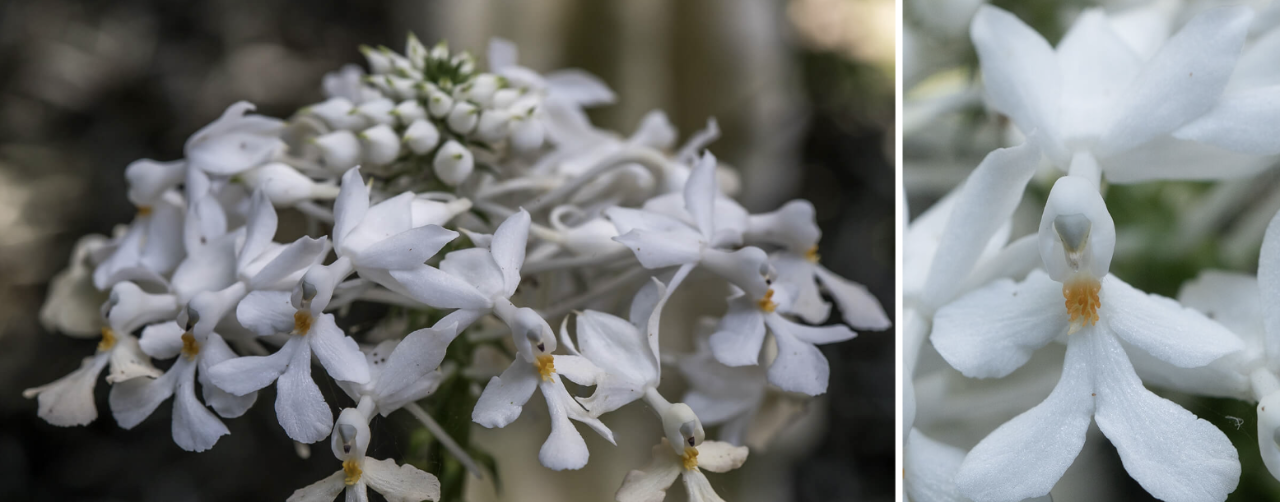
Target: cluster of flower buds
<point x="567" y="222"/>
<point x="1125" y="97"/>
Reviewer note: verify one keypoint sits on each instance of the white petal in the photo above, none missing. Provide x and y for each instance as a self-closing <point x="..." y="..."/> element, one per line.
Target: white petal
<point x="505" y="395"/>
<point x="406" y="249"/>
<point x="1021" y="75"/>
<point x="651" y="483"/>
<point x="1245" y="122"/>
<point x="1256" y="67"/>
<point x="243" y="375"/>
<point x="1181" y="82"/>
<point x="508" y="246"/>
<point x="266" y="312"/>
<point x="163" y="248"/>
<point x="128" y="361"/>
<point x="860" y="308"/>
<point x="929" y="467"/>
<point x="1269" y="285"/>
<point x="699" y="488"/>
<point x="162" y="340"/>
<point x="133" y="400"/>
<point x="740" y="334"/>
<point x="564" y="447"/>
<point x="1162" y="327"/>
<point x="337" y="352"/>
<point x="260" y="229"/>
<point x="1096" y="65"/>
<point x="1171" y="453"/>
<point x="700" y="194"/>
<point x="324" y="490"/>
<point x="195" y="428"/>
<point x="477" y="268"/>
<point x="661" y="249"/>
<point x="613" y="343"/>
<point x="303" y="414"/>
<point x="404" y="483"/>
<point x="285" y="269"/>
<point x="982" y="206"/>
<point x="800" y="366"/>
<point x="206" y="222"/>
<point x="717" y="456"/>
<point x="627" y="219"/>
<point x="214" y="351"/>
<point x="350" y="206"/>
<point x="438" y="289"/>
<point x="993" y="331"/>
<point x="209" y="268"/>
<point x="417" y="355"/>
<point x="1169" y="158"/>
<point x="1026" y="456"/>
<point x="798" y="278"/>
<point x="68" y="401"/>
<point x="1268" y="427"/>
<point x="582" y="88"/>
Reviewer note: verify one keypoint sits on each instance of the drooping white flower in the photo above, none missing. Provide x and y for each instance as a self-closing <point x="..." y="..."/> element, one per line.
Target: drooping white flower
<point x="403" y="371"/>
<point x="68" y="401"/>
<point x="285" y="186"/>
<point x="235" y="142"/>
<point x="349" y="442"/>
<point x="992" y="331"/>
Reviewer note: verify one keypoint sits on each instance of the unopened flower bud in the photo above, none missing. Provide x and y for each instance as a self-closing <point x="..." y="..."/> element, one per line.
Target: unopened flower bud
<point x="453" y="163"/>
<point x="463" y="117"/>
<point x="527" y="134"/>
<point x="285" y="186"/>
<point x="340" y="149"/>
<point x="379" y="61"/>
<point x="493" y="125"/>
<point x="377" y="111"/>
<point x="381" y="144"/>
<point x="504" y="98"/>
<point x="483" y="88"/>
<point x="401" y="87"/>
<point x="415" y="51"/>
<point x="438" y="103"/>
<point x="408" y="111"/>
<point x="149" y="180"/>
<point x="337" y="113"/>
<point x="421" y="136"/>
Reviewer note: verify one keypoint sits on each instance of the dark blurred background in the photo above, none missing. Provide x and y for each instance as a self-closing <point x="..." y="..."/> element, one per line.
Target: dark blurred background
<point x="802" y="89"/>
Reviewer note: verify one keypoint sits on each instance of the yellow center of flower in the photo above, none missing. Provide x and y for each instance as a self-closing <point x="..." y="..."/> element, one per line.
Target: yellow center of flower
<point x="144" y="210"/>
<point x="352" y="470"/>
<point x="812" y="255"/>
<point x="301" y="322"/>
<point x="766" y="304"/>
<point x="1082" y="301"/>
<point x="190" y="347"/>
<point x="546" y="366"/>
<point x="108" y="340"/>
<point x="690" y="458"/>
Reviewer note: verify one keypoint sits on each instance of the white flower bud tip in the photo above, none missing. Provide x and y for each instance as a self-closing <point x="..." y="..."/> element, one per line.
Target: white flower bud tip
<point x="453" y="163"/>
<point x="340" y="149"/>
<point x="381" y="144"/>
<point x="421" y="136"/>
<point x="493" y="125"/>
<point x="463" y="117"/>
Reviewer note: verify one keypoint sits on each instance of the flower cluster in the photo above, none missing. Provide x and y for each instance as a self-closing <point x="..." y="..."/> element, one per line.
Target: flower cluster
<point x="1125" y="97"/>
<point x="477" y="209"/>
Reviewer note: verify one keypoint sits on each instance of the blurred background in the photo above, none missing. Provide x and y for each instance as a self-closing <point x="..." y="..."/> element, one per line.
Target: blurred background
<point x="1167" y="232"/>
<point x="802" y="89"/>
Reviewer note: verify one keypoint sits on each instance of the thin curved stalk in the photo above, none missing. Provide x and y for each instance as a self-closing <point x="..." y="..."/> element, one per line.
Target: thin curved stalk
<point x="444" y="438"/>
<point x="647" y="157"/>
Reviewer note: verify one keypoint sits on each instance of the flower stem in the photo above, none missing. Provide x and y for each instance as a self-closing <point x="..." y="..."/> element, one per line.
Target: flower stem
<point x="444" y="439"/>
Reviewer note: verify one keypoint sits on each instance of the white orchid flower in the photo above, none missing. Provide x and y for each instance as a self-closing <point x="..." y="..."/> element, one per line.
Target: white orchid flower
<point x="992" y="331"/>
<point x="651" y="483"/>
<point x="301" y="408"/>
<point x="195" y="428"/>
<point x="150" y="248"/>
<point x="236" y="142"/>
<point x="68" y="401"/>
<point x="403" y="371"/>
<point x="1094" y="96"/>
<point x="349" y="442"/>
